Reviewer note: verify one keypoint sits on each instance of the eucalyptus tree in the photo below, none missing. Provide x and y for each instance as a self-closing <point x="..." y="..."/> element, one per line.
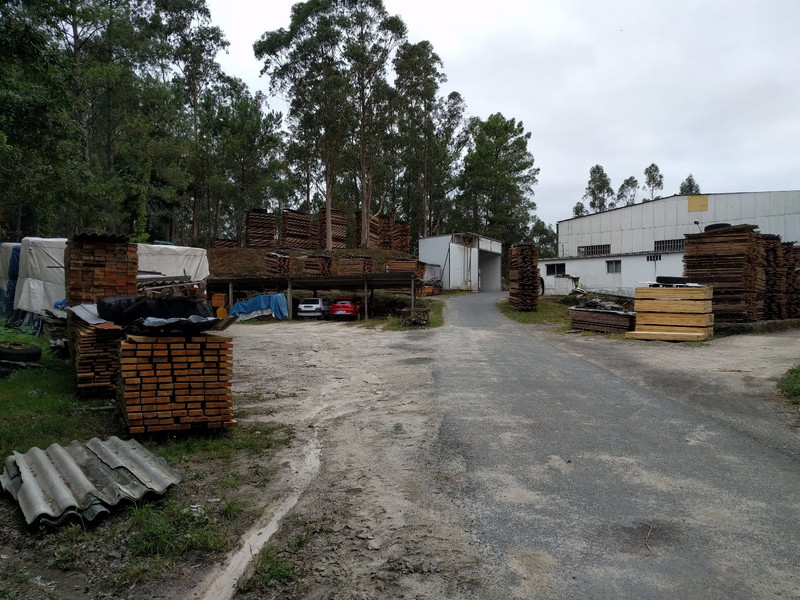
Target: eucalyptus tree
<point x="626" y="194"/>
<point x="598" y="191"/>
<point x="689" y="186"/>
<point x="653" y="180"/>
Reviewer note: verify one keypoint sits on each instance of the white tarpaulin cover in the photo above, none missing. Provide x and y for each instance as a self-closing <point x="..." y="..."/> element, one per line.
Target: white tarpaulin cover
<point x="174" y="261"/>
<point x="41" y="274"/>
<point x="5" y="258"/>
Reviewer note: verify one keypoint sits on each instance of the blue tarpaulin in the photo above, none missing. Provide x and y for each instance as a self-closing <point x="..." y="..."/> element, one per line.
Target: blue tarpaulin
<point x="264" y="304"/>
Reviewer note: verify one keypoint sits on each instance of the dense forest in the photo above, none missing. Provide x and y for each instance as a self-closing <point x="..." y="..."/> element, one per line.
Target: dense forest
<point x="115" y="116"/>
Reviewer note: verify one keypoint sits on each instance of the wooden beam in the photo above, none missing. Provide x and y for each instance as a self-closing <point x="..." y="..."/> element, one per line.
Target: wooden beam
<point x="672" y="293"/>
<point x="673" y="306"/>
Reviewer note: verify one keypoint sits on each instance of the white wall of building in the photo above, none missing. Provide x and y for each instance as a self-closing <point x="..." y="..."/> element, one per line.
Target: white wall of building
<point x="636" y="228"/>
<point x="592" y="273"/>
<point x="463" y="265"/>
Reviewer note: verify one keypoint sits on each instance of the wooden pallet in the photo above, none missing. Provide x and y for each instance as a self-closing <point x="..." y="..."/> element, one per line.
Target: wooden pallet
<point x="673" y="314"/>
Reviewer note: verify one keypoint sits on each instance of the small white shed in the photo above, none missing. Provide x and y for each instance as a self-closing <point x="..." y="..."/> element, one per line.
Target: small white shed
<point x="469" y="261"/>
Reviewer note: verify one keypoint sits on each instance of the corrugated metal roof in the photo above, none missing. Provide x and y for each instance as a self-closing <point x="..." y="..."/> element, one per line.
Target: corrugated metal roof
<point x="83" y="479"/>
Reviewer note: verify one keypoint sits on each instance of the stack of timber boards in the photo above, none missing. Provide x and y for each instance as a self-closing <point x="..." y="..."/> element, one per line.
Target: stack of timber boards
<point x="317" y="265"/>
<point x="374" y="231"/>
<point x="678" y="314"/>
<point x="95" y="355"/>
<point x="401" y="265"/>
<point x="94" y="269"/>
<point x="296" y="231"/>
<point x="278" y="265"/>
<point x="523" y="277"/>
<point x="176" y="383"/>
<point x="260" y="229"/>
<point x="731" y="260"/>
<point x="401" y="237"/>
<point x="791" y="259"/>
<point x="386" y="231"/>
<point x="607" y="321"/>
<point x="338" y="229"/>
<point x="222" y="243"/>
<point x="775" y="271"/>
<point x="356" y="265"/>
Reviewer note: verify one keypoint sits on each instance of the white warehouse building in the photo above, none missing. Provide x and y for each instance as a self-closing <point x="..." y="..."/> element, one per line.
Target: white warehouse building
<point x="467" y="261"/>
<point x="617" y="250"/>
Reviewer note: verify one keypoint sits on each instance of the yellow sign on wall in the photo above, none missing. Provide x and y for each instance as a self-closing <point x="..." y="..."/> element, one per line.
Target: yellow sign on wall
<point x="698" y="203"/>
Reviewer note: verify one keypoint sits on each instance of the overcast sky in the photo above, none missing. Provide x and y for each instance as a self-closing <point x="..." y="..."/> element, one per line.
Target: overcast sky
<point x="700" y="86"/>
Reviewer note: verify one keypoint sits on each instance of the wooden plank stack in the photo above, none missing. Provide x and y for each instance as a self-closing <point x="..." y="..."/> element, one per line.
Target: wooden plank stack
<point x="260" y="229"/>
<point x="402" y="265"/>
<point x="338" y="229"/>
<point x="278" y="265"/>
<point x="386" y="225"/>
<point x="374" y="231"/>
<point x="317" y="266"/>
<point x="401" y="237"/>
<point x="606" y="321"/>
<point x="731" y="260"/>
<point x="296" y="231"/>
<point x="176" y="383"/>
<point x="95" y="354"/>
<point x="224" y="243"/>
<point x="791" y="259"/>
<point x="356" y="265"/>
<point x="523" y="277"/>
<point x="95" y="268"/>
<point x="775" y="272"/>
<point x="680" y="314"/>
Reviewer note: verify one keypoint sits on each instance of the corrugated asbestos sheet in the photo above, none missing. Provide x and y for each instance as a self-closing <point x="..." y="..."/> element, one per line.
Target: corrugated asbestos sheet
<point x="83" y="479"/>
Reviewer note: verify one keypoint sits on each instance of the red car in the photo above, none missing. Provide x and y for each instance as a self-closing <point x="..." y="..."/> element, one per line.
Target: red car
<point x="346" y="307"/>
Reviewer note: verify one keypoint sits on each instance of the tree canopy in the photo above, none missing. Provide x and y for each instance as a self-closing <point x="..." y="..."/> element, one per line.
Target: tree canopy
<point x="689" y="186"/>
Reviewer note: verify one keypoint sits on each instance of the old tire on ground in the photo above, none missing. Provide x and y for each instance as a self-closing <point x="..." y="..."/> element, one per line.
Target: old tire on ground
<point x="19" y="352"/>
<point x="671" y="280"/>
<point x="715" y="226"/>
<point x="5" y="372"/>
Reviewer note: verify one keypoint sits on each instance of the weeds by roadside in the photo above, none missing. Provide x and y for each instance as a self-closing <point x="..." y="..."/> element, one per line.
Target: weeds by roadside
<point x="551" y="311"/>
<point x="789" y="385"/>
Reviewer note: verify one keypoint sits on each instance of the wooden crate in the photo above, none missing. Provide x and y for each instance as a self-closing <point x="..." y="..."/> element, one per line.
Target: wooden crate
<point x="673" y="314"/>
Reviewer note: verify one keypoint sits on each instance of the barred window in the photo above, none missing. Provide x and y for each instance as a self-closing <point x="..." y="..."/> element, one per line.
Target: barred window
<point x="557" y="269"/>
<point x="653" y="257"/>
<point x="613" y="266"/>
<point x="669" y="245"/>
<point x="597" y="250"/>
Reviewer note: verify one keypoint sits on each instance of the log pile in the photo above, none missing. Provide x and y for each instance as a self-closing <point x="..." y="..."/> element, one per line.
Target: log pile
<point x="402" y="265"/>
<point x="338" y="229"/>
<point x="296" y="231"/>
<point x="791" y="259"/>
<point x="278" y="265"/>
<point x="259" y="229"/>
<point x="731" y="260"/>
<point x="401" y="237"/>
<point x="523" y="277"/>
<point x="94" y="268"/>
<point x="95" y="353"/>
<point x="775" y="272"/>
<point x="356" y="265"/>
<point x="317" y="266"/>
<point x="223" y="243"/>
<point x="680" y="314"/>
<point x="606" y="321"/>
<point x="176" y="383"/>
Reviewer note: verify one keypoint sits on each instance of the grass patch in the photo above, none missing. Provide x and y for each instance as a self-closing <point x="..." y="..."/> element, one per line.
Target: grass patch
<point x="789" y="385"/>
<point x="171" y="529"/>
<point x="270" y="569"/>
<point x="252" y="439"/>
<point x="550" y="312"/>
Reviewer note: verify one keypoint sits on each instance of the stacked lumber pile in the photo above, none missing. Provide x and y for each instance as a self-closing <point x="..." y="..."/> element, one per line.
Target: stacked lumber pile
<point x="259" y="229"/>
<point x="403" y="265"/>
<point x="401" y="237"/>
<point x="680" y="314"/>
<point x="523" y="277"/>
<point x="296" y="231"/>
<point x="338" y="229"/>
<point x="95" y="354"/>
<point x="775" y="272"/>
<point x="374" y="231"/>
<point x="278" y="265"/>
<point x="94" y="268"/>
<point x="356" y="265"/>
<point x="317" y="266"/>
<point x="731" y="260"/>
<point x="223" y="243"/>
<point x="791" y="259"/>
<point x="176" y="383"/>
<point x="386" y="231"/>
<point x="606" y="321"/>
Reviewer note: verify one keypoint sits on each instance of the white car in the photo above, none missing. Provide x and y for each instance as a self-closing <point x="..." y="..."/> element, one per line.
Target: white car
<point x="314" y="307"/>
